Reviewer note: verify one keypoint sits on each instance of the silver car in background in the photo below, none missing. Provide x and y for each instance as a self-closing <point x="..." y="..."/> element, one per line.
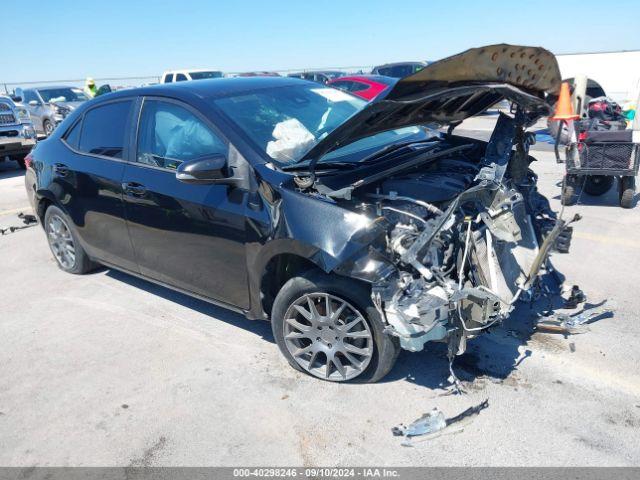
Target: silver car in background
<point x="49" y="106"/>
<point x="17" y="136"/>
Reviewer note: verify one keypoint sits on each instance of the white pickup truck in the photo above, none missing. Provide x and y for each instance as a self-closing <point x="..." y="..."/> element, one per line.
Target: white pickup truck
<point x="17" y="135"/>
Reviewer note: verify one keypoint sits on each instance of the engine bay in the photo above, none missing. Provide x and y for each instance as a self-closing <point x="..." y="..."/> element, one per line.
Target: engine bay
<point x="468" y="234"/>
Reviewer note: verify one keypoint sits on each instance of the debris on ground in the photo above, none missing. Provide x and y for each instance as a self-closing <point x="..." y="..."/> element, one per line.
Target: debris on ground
<point x="433" y="422"/>
<point x="576" y="297"/>
<point x="27" y="220"/>
<point x="569" y="324"/>
<point x="430" y="422"/>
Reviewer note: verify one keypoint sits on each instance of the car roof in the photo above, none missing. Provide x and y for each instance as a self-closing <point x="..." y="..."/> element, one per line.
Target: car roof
<point x="397" y="64"/>
<point x="210" y="88"/>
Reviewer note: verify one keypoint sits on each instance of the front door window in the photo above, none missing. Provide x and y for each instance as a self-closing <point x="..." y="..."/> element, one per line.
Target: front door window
<point x="170" y="134"/>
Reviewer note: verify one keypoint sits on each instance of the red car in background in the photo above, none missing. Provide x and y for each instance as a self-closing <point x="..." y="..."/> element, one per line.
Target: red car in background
<point x="363" y="86"/>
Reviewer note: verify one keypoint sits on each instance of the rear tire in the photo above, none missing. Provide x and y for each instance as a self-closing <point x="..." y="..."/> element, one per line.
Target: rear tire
<point x="64" y="244"/>
<point x="627" y="191"/>
<point x="597" y="185"/>
<point x="333" y="351"/>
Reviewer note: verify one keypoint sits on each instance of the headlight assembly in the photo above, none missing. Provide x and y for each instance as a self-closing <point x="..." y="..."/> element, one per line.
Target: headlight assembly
<point x="23" y="115"/>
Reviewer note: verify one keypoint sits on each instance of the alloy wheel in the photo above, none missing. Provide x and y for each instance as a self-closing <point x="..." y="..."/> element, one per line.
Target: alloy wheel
<point x="48" y="128"/>
<point x="328" y="337"/>
<point x="61" y="242"/>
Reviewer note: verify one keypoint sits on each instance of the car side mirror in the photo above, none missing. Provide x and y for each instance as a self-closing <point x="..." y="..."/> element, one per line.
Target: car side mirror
<point x="16" y="98"/>
<point x="204" y="170"/>
<point x="34" y="103"/>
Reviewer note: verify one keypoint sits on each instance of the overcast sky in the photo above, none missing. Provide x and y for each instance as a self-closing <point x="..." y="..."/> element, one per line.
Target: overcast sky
<point x="64" y="39"/>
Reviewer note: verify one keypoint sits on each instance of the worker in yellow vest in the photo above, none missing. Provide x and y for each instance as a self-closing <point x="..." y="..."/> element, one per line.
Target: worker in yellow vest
<point x="90" y="87"/>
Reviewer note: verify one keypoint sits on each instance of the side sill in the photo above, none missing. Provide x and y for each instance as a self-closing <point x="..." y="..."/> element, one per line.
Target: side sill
<point x="217" y="303"/>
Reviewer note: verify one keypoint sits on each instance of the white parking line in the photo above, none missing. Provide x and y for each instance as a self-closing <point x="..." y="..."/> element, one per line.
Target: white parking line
<point x="15" y="210"/>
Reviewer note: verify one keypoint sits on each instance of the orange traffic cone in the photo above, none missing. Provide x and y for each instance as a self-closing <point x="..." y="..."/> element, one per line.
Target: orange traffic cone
<point x="564" y="108"/>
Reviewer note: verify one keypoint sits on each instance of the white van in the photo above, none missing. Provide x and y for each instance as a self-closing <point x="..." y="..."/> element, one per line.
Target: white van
<point x="185" y="75"/>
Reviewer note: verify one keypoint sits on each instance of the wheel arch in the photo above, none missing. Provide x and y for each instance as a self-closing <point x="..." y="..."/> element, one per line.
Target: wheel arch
<point x="44" y="199"/>
<point x="282" y="259"/>
<point x="277" y="270"/>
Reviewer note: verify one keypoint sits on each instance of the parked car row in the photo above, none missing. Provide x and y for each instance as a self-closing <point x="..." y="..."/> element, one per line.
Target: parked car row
<point x="49" y="106"/>
<point x="396" y="70"/>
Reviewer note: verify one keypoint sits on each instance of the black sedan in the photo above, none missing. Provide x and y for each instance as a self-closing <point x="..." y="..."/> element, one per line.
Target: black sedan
<point x="347" y="224"/>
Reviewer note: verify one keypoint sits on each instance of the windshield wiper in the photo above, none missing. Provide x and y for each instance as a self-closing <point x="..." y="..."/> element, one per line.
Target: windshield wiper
<point x="388" y="149"/>
<point x="305" y="165"/>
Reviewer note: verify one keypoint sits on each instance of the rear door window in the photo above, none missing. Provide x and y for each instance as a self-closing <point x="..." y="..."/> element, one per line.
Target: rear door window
<point x="104" y="129"/>
<point x="180" y="77"/>
<point x="357" y="86"/>
<point x="342" y="85"/>
<point x="170" y="134"/>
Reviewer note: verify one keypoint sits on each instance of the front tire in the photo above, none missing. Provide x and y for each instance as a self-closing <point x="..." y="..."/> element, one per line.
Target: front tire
<point x="47" y="126"/>
<point x="326" y="326"/>
<point x="64" y="244"/>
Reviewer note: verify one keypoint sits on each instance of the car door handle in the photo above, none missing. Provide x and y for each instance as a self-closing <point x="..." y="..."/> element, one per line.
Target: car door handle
<point x="60" y="169"/>
<point x="134" y="189"/>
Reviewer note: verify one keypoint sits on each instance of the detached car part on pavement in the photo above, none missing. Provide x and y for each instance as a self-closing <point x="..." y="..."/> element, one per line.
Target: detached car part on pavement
<point x="356" y="228"/>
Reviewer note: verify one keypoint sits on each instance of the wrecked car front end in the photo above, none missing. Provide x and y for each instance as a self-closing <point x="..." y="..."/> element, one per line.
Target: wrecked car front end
<point x="459" y="232"/>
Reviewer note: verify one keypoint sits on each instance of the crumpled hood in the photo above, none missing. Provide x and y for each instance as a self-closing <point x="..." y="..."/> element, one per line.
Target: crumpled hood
<point x="453" y="89"/>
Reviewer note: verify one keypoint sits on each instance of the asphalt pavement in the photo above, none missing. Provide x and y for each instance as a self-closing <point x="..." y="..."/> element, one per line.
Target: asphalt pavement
<point x="109" y="370"/>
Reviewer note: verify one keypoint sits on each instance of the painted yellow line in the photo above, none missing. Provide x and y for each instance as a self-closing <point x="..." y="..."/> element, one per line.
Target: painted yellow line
<point x="26" y="209"/>
<point x="625" y="242"/>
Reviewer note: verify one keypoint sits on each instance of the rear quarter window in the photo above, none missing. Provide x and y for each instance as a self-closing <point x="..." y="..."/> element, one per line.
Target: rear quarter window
<point x="104" y="129"/>
<point x="72" y="137"/>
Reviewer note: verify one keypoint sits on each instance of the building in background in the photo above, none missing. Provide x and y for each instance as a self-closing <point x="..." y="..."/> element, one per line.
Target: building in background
<point x="617" y="72"/>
